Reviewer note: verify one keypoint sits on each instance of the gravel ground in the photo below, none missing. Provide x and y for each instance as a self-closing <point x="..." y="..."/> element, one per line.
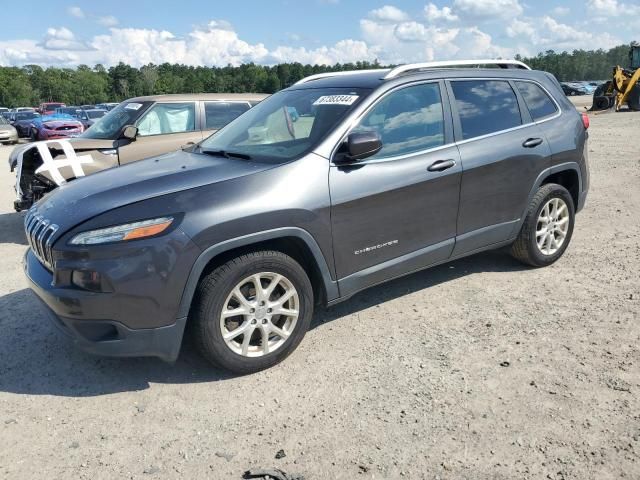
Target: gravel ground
<point x="481" y="368"/>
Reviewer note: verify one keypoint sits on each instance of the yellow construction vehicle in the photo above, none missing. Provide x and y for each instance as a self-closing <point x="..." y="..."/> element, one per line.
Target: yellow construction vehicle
<point x="624" y="88"/>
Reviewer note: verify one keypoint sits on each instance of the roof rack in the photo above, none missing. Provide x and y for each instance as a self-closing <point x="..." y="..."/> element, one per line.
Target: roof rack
<point x="392" y="73"/>
<point x="454" y="63"/>
<point x="318" y="76"/>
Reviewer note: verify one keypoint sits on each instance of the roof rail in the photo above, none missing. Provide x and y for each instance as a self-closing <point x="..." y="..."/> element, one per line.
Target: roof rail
<point x="318" y="76"/>
<point x="454" y="63"/>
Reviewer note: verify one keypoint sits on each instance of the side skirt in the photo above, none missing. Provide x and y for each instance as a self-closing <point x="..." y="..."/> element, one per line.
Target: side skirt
<point x="401" y="264"/>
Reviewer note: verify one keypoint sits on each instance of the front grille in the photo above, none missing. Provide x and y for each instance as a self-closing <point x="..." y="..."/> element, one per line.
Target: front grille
<point x="67" y="127"/>
<point x="40" y="233"/>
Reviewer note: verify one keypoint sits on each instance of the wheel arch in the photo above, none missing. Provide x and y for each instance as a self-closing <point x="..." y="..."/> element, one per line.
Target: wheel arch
<point x="564" y="172"/>
<point x="569" y="179"/>
<point x="295" y="242"/>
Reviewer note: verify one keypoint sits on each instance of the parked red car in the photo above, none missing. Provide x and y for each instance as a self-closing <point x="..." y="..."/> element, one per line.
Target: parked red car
<point x="55" y="126"/>
<point x="48" y="108"/>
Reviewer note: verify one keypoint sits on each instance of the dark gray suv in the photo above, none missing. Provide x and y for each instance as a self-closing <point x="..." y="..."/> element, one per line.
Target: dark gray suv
<point x="341" y="182"/>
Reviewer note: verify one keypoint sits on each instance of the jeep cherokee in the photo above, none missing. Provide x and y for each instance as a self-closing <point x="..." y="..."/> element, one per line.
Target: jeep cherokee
<point x="338" y="183"/>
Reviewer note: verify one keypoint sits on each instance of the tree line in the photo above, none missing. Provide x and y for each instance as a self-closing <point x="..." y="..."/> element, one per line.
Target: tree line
<point x="32" y="84"/>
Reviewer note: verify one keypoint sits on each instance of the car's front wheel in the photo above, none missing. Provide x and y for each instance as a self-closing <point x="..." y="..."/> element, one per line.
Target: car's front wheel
<point x="547" y="228"/>
<point x="252" y="312"/>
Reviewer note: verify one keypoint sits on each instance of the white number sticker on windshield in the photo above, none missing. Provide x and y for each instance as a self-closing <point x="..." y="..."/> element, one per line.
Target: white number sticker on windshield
<point x="336" y="100"/>
<point x="133" y="106"/>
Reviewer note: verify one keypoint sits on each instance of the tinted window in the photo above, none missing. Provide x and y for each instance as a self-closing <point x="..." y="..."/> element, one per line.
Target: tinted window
<point x="485" y="106"/>
<point x="96" y="114"/>
<point x="538" y="102"/>
<point x="165" y="118"/>
<point x="26" y="115"/>
<point x="218" y="114"/>
<point x="408" y="120"/>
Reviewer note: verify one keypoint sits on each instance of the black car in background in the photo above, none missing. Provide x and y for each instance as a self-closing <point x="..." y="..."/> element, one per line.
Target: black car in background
<point x="571" y="89"/>
<point x="22" y="122"/>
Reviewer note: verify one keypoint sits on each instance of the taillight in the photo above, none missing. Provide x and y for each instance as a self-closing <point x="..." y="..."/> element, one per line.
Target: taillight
<point x="585" y="120"/>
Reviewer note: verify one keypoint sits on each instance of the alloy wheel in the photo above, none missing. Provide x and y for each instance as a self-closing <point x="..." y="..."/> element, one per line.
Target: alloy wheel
<point x="552" y="226"/>
<point x="259" y="314"/>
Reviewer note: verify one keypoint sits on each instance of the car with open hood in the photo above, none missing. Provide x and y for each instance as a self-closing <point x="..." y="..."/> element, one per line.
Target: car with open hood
<point x="135" y="129"/>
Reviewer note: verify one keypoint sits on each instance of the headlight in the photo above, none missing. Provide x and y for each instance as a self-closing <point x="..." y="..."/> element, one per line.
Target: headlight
<point x="121" y="233"/>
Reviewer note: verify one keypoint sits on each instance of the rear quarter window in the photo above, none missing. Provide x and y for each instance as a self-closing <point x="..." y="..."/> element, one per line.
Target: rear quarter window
<point x="537" y="100"/>
<point x="218" y="114"/>
<point x="485" y="106"/>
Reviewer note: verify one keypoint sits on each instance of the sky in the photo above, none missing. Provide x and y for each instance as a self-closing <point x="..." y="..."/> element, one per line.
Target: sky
<point x="66" y="33"/>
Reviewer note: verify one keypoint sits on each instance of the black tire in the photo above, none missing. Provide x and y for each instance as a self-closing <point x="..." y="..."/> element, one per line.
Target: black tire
<point x="602" y="103"/>
<point x="525" y="248"/>
<point x="212" y="293"/>
<point x="33" y="135"/>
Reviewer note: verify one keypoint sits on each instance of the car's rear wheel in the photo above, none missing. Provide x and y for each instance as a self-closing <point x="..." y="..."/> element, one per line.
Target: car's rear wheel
<point x="252" y="312"/>
<point x="547" y="228"/>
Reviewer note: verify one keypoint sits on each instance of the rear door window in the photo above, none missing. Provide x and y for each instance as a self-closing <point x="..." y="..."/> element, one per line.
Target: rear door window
<point x="408" y="120"/>
<point x="538" y="102"/>
<point x="485" y="106"/>
<point x="164" y="118"/>
<point x="218" y="114"/>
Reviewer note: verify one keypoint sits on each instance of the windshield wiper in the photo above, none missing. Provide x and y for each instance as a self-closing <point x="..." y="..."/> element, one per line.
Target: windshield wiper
<point x="225" y="154"/>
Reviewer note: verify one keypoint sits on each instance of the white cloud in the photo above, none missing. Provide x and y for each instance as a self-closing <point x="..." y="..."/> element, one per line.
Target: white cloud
<point x="388" y="14"/>
<point x="613" y="8"/>
<point x="474" y="10"/>
<point x="536" y="34"/>
<point x="108" y="21"/>
<point x="434" y="14"/>
<point x="61" y="39"/>
<point x="521" y="28"/>
<point x="464" y="29"/>
<point x="344" y="51"/>
<point x="560" y="11"/>
<point x="75" y="12"/>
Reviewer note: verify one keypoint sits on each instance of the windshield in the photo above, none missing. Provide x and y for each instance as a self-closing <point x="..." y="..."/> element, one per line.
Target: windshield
<point x="96" y="113"/>
<point x="53" y="105"/>
<point x="2" y="120"/>
<point x="68" y="110"/>
<point x="110" y="125"/>
<point x="26" y="115"/>
<point x="285" y="125"/>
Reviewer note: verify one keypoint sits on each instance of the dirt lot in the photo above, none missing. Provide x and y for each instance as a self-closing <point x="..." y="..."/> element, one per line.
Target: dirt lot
<point x="406" y="380"/>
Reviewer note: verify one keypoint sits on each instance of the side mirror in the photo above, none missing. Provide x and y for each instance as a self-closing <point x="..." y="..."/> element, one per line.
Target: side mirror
<point x="361" y="145"/>
<point x="129" y="132"/>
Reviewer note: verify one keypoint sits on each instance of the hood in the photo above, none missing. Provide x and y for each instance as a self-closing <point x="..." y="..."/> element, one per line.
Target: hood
<point x="79" y="145"/>
<point x="6" y="128"/>
<point x="61" y="123"/>
<point x="87" y="197"/>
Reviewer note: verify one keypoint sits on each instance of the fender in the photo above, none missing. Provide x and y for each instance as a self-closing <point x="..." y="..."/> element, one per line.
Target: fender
<point x="562" y="167"/>
<point x="331" y="286"/>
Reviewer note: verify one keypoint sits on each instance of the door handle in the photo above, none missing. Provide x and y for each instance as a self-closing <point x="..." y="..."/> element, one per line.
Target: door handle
<point x="531" y="142"/>
<point x="441" y="165"/>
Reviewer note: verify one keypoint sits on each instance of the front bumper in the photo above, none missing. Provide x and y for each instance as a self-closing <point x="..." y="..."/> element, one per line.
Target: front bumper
<point x="8" y="136"/>
<point x="54" y="135"/>
<point x="95" y="321"/>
